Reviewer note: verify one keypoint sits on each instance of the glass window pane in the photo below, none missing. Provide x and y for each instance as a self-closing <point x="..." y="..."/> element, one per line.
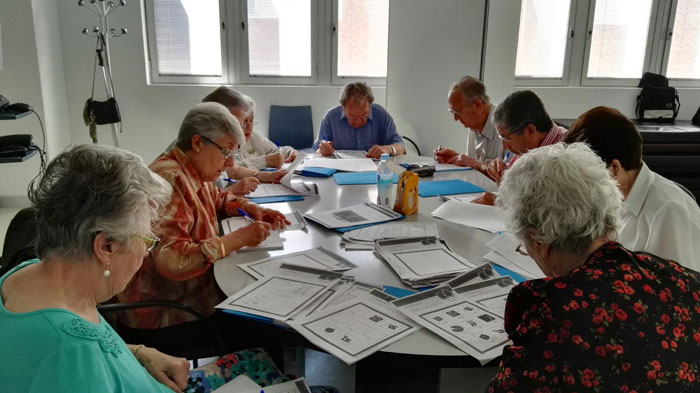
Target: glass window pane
<point x="542" y="38"/>
<point x="363" y="37"/>
<point x="619" y="41"/>
<point x="684" y="58"/>
<point x="188" y="39"/>
<point x="279" y="37"/>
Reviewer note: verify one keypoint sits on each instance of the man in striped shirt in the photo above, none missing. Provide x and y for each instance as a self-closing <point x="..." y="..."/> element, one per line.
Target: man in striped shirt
<point x="522" y="124"/>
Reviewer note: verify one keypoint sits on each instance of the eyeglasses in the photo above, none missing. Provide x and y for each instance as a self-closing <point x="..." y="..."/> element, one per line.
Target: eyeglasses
<point x="228" y="154"/>
<point x="521" y="250"/>
<point x="151" y="241"/>
<point x="507" y="137"/>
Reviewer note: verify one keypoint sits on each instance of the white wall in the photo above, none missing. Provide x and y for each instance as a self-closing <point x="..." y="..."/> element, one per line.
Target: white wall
<point x="431" y="44"/>
<point x="32" y="74"/>
<point x="152" y="113"/>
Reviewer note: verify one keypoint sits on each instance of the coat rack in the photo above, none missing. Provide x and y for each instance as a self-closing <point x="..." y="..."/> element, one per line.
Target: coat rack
<point x="102" y="9"/>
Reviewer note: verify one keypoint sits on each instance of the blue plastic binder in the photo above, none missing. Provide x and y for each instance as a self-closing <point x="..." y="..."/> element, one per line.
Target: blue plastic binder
<point x="446" y="187"/>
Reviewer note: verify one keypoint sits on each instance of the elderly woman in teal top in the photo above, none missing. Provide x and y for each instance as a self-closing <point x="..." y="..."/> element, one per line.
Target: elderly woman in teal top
<point x="94" y="207"/>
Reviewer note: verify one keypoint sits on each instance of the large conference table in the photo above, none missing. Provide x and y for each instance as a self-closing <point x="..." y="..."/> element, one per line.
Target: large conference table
<point x="466" y="241"/>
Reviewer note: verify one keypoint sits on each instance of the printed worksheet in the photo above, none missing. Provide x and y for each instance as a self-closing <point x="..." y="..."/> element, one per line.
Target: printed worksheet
<point x="492" y="294"/>
<point x="393" y="231"/>
<point x="283" y="294"/>
<point x="353" y="290"/>
<point x="316" y="258"/>
<point x="350" y="154"/>
<point x="346" y="164"/>
<point x="366" y="213"/>
<point x="357" y="329"/>
<point x="296" y="386"/>
<point x="296" y="219"/>
<point x="465" y="324"/>
<point x="272" y="242"/>
<point x="481" y="273"/>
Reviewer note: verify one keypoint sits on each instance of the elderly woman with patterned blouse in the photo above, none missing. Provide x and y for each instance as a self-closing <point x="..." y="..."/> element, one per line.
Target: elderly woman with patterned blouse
<point x="606" y="318"/>
<point x="181" y="267"/>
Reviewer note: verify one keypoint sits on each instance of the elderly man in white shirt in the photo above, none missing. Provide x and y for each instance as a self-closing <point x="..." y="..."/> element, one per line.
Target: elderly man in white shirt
<point x="657" y="216"/>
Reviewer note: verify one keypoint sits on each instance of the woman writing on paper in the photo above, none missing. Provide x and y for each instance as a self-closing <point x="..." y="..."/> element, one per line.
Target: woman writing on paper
<point x="180" y="268"/>
<point x="606" y="318"/>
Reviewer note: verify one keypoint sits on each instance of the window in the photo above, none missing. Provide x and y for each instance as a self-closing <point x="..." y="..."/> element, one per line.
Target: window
<point x="267" y="41"/>
<point x="363" y="38"/>
<point x="608" y="42"/>
<point x="684" y="57"/>
<point x="618" y="39"/>
<point x="543" y="38"/>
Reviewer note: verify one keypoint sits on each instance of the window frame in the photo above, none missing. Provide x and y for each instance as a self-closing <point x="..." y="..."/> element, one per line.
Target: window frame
<point x="521" y="81"/>
<point x="152" y="60"/>
<point x="337" y="80"/>
<point x="235" y="60"/>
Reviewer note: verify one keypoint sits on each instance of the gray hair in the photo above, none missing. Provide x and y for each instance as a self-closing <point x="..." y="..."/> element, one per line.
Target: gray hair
<point x="471" y="89"/>
<point x="210" y="120"/>
<point x="521" y="108"/>
<point x="229" y="98"/>
<point x="356" y="92"/>
<point x="561" y="195"/>
<point x="89" y="189"/>
<point x="251" y="104"/>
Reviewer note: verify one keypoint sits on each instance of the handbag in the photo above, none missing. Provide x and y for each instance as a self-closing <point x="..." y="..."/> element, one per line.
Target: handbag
<point x="100" y="112"/>
<point x="658" y="104"/>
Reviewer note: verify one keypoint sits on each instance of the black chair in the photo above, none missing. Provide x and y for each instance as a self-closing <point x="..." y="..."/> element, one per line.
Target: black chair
<point x="191" y="340"/>
<point x="19" y="244"/>
<point x="291" y="126"/>
<point x="413" y="143"/>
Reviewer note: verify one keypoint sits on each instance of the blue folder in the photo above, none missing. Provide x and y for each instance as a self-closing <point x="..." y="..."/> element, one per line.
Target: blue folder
<point x="446" y="187"/>
<point x="352" y="178"/>
<point x="315" y="171"/>
<point x="507" y="272"/>
<point x="275" y="199"/>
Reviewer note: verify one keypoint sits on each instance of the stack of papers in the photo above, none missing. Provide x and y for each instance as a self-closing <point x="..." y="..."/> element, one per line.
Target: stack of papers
<point x="354" y="330"/>
<point x="364" y="214"/>
<point x="317" y="258"/>
<point x="273" y="242"/>
<point x="472" y="215"/>
<point x="347" y="154"/>
<point x="347" y="165"/>
<point x="503" y="253"/>
<point x="363" y="238"/>
<point x="469" y="316"/>
<point x="423" y="261"/>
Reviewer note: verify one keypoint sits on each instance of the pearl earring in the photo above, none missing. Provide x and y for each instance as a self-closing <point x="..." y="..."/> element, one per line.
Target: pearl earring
<point x="106" y="273"/>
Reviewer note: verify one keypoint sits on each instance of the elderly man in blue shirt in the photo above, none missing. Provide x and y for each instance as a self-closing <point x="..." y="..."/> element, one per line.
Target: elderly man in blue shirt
<point x="358" y="124"/>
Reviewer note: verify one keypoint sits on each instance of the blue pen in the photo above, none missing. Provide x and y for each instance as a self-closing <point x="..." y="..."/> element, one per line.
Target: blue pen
<point x="244" y="214"/>
<point x="230" y="180"/>
<point x="505" y="159"/>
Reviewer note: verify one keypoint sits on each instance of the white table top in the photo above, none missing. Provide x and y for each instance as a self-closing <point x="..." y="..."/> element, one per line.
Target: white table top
<point x="468" y="242"/>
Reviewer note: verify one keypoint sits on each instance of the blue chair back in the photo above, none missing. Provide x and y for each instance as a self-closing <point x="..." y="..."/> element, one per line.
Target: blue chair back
<point x="291" y="126"/>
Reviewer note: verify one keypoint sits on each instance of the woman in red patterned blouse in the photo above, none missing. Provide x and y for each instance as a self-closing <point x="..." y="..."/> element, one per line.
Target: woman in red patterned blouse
<point x="180" y="268"/>
<point x="605" y="319"/>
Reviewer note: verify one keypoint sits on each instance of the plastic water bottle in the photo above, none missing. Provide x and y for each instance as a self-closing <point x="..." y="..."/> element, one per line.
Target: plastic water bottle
<point x="385" y="182"/>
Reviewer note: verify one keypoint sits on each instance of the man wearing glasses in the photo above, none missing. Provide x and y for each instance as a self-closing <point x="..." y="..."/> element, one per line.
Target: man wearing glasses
<point x="469" y="104"/>
<point x="358" y="124"/>
<point x="523" y="124"/>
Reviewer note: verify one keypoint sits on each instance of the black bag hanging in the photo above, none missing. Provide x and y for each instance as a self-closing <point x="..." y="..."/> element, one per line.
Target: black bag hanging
<point x="100" y="112"/>
<point x="657" y="101"/>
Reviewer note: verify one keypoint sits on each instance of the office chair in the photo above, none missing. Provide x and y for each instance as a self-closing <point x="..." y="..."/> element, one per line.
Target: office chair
<point x="291" y="126"/>
<point x="413" y="143"/>
<point x="684" y="188"/>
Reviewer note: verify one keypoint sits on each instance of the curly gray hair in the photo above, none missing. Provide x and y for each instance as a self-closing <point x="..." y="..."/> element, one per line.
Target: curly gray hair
<point x="89" y="189"/>
<point x="562" y="196"/>
<point x="210" y="120"/>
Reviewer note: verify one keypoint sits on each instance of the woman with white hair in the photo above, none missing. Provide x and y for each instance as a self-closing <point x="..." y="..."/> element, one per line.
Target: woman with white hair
<point x="181" y="267"/>
<point x="605" y="318"/>
<point x="94" y="207"/>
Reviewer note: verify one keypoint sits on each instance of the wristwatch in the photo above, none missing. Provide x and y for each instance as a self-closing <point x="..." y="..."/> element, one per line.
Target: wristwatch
<point x="393" y="150"/>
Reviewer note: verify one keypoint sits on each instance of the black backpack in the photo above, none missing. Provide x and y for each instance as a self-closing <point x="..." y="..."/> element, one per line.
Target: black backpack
<point x="658" y="101"/>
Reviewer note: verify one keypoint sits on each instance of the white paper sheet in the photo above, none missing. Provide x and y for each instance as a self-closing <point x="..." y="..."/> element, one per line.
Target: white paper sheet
<point x="297" y="221"/>
<point x="347" y="165"/>
<point x="239" y="384"/>
<point x="316" y="258"/>
<point x="504" y="245"/>
<point x="354" y="290"/>
<point x="345" y="154"/>
<point x="367" y="213"/>
<point x="462" y="322"/>
<point x="283" y="294"/>
<point x="355" y="330"/>
<point x="287" y="186"/>
<point x="272" y="242"/>
<point x="492" y="294"/>
<point x="296" y="386"/>
<point x="472" y="215"/>
<point x="479" y="274"/>
<point x="393" y="231"/>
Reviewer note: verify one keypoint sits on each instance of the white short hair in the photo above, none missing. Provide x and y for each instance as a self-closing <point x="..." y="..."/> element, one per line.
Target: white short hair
<point x="562" y="196"/>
